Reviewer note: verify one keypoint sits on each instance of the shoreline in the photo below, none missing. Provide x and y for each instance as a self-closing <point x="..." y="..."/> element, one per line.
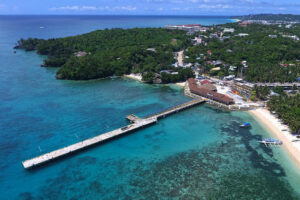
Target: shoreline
<point x="137" y="77"/>
<point x="275" y="127"/>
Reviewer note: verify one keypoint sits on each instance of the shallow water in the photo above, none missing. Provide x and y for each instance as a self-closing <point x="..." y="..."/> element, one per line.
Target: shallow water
<point x="197" y="153"/>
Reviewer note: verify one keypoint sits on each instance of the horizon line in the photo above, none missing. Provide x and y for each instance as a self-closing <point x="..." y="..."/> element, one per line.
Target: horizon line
<point x="160" y="15"/>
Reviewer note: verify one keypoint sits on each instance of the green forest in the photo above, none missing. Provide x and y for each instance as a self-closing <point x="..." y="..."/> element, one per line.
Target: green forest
<point x="288" y="109"/>
<point x="111" y="52"/>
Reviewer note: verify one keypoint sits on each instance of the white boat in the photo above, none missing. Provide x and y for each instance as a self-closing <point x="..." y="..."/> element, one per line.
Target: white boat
<point x="271" y="141"/>
<point x="42" y="27"/>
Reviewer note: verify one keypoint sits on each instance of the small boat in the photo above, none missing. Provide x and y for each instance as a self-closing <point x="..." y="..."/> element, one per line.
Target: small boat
<point x="42" y="27"/>
<point x="245" y="125"/>
<point x="270" y="142"/>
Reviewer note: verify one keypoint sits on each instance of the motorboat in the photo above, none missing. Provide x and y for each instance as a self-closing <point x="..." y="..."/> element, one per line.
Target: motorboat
<point x="245" y="125"/>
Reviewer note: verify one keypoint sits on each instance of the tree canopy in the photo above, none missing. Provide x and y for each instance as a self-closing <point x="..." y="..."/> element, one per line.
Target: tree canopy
<point x="110" y="52"/>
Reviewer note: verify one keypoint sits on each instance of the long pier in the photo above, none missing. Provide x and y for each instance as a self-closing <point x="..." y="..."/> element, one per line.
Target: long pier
<point x="136" y="123"/>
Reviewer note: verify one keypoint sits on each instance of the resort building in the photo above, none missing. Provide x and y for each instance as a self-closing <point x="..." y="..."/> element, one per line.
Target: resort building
<point x="221" y="98"/>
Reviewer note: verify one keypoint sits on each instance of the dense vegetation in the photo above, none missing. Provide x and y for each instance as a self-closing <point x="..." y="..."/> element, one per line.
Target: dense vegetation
<point x="264" y="55"/>
<point x="260" y="93"/>
<point x="270" y="17"/>
<point x="110" y="52"/>
<point x="288" y="109"/>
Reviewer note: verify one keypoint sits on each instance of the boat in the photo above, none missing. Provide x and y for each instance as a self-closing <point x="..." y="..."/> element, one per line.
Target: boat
<point x="270" y="141"/>
<point x="42" y="27"/>
<point x="245" y="125"/>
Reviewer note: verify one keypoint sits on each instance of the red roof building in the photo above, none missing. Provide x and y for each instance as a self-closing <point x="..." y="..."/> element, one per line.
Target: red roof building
<point x="194" y="88"/>
<point x="284" y="65"/>
<point x="205" y="82"/>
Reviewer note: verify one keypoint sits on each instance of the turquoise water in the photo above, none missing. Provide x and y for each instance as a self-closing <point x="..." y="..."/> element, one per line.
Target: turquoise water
<point x="196" y="154"/>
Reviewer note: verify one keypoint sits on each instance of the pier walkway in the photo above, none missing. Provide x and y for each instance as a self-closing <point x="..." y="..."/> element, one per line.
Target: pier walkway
<point x="177" y="108"/>
<point x="137" y="123"/>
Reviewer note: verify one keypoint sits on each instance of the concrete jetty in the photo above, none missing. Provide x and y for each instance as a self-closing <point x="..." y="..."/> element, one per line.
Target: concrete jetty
<point x="137" y="123"/>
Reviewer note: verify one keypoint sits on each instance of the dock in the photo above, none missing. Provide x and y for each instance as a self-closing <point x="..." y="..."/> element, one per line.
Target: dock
<point x="136" y="123"/>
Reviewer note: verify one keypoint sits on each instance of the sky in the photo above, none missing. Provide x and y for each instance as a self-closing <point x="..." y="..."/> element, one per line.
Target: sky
<point x="149" y="7"/>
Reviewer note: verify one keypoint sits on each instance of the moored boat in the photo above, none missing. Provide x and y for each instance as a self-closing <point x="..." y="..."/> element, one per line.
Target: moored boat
<point x="245" y="125"/>
<point x="270" y="141"/>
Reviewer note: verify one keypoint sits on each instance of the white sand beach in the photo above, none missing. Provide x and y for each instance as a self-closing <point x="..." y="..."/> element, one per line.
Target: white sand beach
<point x="181" y="84"/>
<point x="280" y="132"/>
<point x="134" y="76"/>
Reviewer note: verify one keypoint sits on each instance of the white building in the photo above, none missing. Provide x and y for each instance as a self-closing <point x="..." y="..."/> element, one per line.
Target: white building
<point x="243" y="34"/>
<point x="229" y="30"/>
<point x="197" y="40"/>
<point x="294" y="37"/>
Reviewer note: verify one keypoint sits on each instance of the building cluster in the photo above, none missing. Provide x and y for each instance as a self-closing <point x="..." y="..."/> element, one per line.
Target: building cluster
<point x="191" y="28"/>
<point x="288" y="24"/>
<point x="204" y="91"/>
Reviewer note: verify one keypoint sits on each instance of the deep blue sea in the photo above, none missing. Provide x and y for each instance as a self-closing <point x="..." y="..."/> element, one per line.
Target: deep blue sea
<point x="200" y="153"/>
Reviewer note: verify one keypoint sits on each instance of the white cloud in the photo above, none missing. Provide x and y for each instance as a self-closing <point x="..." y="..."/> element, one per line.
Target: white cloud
<point x="217" y="6"/>
<point x="281" y="8"/>
<point x="129" y="8"/>
<point x="65" y="8"/>
<point x="92" y="8"/>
